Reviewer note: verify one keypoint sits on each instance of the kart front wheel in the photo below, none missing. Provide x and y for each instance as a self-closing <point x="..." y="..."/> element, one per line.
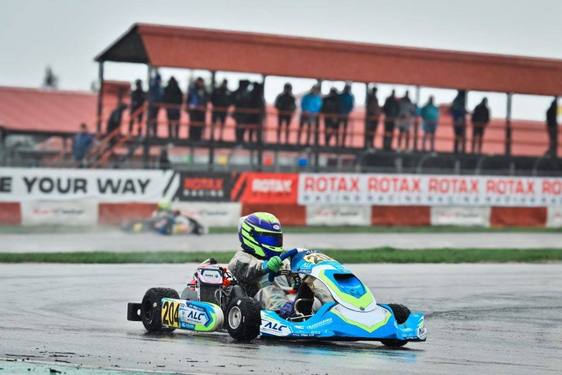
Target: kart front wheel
<point x="243" y="319"/>
<point x="401" y="314"/>
<point x="151" y="308"/>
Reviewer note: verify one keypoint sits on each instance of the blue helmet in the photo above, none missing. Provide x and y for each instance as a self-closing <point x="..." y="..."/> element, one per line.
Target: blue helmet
<point x="260" y="235"/>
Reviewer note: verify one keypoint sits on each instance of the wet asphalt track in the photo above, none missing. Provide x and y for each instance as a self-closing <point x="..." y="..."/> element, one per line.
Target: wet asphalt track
<point x="482" y="319"/>
<point x="119" y="241"/>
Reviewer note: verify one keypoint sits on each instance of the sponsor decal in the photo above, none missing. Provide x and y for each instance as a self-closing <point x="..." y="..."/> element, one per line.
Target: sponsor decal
<point x="432" y="190"/>
<point x="273" y="327"/>
<point x="191" y="314"/>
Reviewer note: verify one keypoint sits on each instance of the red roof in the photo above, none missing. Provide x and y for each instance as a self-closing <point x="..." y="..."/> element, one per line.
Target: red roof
<point x="39" y="110"/>
<point x="223" y="50"/>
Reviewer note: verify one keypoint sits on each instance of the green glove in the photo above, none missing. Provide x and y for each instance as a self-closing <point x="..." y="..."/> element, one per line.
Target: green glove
<point x="273" y="264"/>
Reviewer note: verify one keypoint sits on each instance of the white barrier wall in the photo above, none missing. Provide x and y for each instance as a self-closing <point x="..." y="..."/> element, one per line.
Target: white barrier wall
<point x="212" y="214"/>
<point x="67" y="213"/>
<point x="554" y="217"/>
<point x="461" y="216"/>
<point x="338" y="215"/>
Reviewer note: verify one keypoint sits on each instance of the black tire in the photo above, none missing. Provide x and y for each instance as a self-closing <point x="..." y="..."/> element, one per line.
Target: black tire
<point x="243" y="319"/>
<point x="151" y="306"/>
<point x="401" y="314"/>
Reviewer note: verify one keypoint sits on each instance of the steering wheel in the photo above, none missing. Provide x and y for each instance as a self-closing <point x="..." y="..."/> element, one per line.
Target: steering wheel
<point x="288" y="254"/>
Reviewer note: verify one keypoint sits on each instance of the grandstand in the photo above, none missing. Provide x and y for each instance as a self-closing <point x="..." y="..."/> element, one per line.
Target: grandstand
<point x="50" y="118"/>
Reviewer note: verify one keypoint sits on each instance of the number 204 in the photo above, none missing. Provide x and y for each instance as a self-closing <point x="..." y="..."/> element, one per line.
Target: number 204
<point x="170" y="314"/>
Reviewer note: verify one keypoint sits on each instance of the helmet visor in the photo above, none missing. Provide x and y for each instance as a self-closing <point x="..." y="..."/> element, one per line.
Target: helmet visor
<point x="270" y="239"/>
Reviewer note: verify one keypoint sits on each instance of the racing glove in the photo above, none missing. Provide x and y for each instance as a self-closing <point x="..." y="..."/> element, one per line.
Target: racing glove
<point x="273" y="264"/>
<point x="286" y="310"/>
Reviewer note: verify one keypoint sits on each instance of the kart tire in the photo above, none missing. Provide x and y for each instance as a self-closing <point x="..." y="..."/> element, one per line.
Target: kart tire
<point x="151" y="306"/>
<point x="401" y="314"/>
<point x="243" y="319"/>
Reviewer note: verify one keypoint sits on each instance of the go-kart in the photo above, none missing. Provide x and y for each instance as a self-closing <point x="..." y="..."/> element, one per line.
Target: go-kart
<point x="170" y="224"/>
<point x="214" y="299"/>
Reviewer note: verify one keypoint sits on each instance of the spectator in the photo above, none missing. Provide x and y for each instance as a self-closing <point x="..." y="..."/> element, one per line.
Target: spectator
<point x="220" y="99"/>
<point x="242" y="102"/>
<point x="155" y="93"/>
<point x="114" y="122"/>
<point x="552" y="128"/>
<point x="430" y="117"/>
<point x="373" y="117"/>
<point x="311" y="104"/>
<point x="391" y="108"/>
<point x="256" y="113"/>
<point x="346" y="101"/>
<point x="480" y="119"/>
<point x="286" y="105"/>
<point x="163" y="158"/>
<point x="406" y="117"/>
<point x="83" y="141"/>
<point x="138" y="97"/>
<point x="330" y="107"/>
<point x="458" y="111"/>
<point x="197" y="99"/>
<point x="173" y="97"/>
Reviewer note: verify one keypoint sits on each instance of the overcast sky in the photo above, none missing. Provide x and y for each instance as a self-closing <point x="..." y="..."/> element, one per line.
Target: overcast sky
<point x="67" y="34"/>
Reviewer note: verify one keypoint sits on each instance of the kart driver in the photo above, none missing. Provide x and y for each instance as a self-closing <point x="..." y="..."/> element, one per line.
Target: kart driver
<point x="261" y="239"/>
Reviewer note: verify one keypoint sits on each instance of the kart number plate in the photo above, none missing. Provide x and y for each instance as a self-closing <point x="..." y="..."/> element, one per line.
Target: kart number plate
<point x="170" y="314"/>
<point x="316" y="258"/>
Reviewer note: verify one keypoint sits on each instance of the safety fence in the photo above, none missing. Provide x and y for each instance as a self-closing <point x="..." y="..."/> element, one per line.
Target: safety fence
<point x="86" y="197"/>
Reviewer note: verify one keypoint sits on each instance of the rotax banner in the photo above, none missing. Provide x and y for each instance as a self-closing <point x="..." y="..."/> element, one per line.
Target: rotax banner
<point x="429" y="190"/>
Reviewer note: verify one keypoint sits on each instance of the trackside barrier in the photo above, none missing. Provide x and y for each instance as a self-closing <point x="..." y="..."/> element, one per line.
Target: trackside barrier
<point x="85" y="197"/>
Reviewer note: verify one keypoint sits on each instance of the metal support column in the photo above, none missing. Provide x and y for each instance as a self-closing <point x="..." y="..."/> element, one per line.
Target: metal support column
<point x="260" y="132"/>
<point x="146" y="144"/>
<point x="316" y="127"/>
<point x="417" y="120"/>
<point x="508" y="130"/>
<point x="99" y="114"/>
<point x="365" y="140"/>
<point x="212" y="137"/>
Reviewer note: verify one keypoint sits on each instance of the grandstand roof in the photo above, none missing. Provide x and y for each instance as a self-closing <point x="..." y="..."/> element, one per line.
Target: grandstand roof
<point x="195" y="48"/>
<point x="48" y="111"/>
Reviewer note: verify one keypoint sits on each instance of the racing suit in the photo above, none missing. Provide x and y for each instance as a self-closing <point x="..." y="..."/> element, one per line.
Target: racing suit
<point x="248" y="271"/>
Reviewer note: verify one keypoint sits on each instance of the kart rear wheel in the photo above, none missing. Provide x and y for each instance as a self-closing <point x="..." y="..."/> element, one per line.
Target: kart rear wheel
<point x="151" y="306"/>
<point x="243" y="319"/>
<point x="401" y="314"/>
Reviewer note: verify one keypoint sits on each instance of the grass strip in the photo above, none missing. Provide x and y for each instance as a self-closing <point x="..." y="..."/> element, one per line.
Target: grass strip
<point x="376" y="255"/>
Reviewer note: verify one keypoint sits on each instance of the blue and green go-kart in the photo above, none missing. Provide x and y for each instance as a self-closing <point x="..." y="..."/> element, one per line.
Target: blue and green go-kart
<point x="213" y="301"/>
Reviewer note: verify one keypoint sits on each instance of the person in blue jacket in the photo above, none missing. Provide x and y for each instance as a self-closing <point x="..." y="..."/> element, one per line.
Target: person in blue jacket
<point x="311" y="104"/>
<point x="346" y="102"/>
<point x="430" y="117"/>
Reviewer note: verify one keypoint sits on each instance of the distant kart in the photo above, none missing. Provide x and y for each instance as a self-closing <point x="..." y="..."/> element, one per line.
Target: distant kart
<point x="168" y="225"/>
<point x="213" y="300"/>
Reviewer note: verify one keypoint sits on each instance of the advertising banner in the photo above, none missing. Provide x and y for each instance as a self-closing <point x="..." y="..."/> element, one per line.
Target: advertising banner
<point x="106" y="185"/>
<point x="74" y="213"/>
<point x="270" y="188"/>
<point x="212" y="214"/>
<point x="338" y="215"/>
<point x="460" y="216"/>
<point x="212" y="187"/>
<point x="430" y="190"/>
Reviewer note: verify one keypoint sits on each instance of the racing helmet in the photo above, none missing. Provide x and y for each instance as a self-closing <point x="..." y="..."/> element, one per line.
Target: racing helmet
<point x="260" y="235"/>
<point x="164" y="205"/>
